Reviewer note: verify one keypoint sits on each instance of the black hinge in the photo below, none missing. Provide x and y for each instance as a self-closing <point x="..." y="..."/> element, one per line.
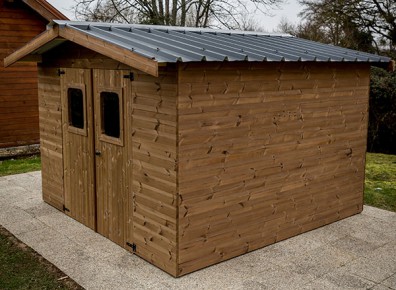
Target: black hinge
<point x="65" y="208"/>
<point x="133" y="246"/>
<point x="61" y="72"/>
<point x="131" y="76"/>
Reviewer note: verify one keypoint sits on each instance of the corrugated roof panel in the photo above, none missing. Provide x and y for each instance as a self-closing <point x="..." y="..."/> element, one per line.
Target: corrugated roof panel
<point x="321" y="51"/>
<point x="332" y="50"/>
<point x="278" y="45"/>
<point x="218" y="47"/>
<point x="191" y="44"/>
<point x="268" y="52"/>
<point x="131" y="44"/>
<point x="163" y="43"/>
<point x="226" y="46"/>
<point x="173" y="44"/>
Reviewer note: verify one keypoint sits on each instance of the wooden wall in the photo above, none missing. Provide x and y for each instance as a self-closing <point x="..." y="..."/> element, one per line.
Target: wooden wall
<point x="50" y="108"/>
<point x="18" y="83"/>
<point x="153" y="181"/>
<point x="266" y="151"/>
<point x="155" y="167"/>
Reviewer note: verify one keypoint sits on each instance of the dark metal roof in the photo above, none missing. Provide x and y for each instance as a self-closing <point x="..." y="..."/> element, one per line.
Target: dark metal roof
<point x="185" y="44"/>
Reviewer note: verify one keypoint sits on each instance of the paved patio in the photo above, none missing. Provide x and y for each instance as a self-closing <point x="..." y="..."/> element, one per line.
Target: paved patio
<point x="355" y="253"/>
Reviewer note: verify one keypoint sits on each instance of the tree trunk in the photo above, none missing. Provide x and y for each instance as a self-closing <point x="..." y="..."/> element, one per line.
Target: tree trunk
<point x="183" y="13"/>
<point x="161" y="11"/>
<point x="174" y="12"/>
<point x="167" y="12"/>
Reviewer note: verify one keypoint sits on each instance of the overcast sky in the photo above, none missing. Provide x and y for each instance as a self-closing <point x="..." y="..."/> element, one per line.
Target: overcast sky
<point x="269" y="23"/>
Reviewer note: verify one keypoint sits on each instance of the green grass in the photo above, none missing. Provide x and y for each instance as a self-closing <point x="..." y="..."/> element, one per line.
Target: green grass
<point x="20" y="165"/>
<point x="380" y="184"/>
<point x="22" y="268"/>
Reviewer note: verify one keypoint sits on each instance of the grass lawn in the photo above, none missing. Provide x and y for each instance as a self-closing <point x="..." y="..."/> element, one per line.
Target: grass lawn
<point x="380" y="184"/>
<point x="23" y="268"/>
<point x="21" y="165"/>
<point x="20" y="266"/>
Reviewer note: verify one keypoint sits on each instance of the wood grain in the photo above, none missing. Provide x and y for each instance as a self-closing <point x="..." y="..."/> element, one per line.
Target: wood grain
<point x="51" y="144"/>
<point x="78" y="150"/>
<point x="266" y="152"/>
<point x="155" y="167"/>
<point x="18" y="84"/>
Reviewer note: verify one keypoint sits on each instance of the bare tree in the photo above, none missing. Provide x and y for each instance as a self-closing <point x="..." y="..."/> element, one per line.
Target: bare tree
<point x="347" y="22"/>
<point x="198" y="13"/>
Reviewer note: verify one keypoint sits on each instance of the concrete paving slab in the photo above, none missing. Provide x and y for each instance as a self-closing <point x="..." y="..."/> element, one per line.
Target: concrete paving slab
<point x="355" y="253"/>
<point x="319" y="261"/>
<point x="390" y="282"/>
<point x="357" y="247"/>
<point x="381" y="287"/>
<point x="375" y="269"/>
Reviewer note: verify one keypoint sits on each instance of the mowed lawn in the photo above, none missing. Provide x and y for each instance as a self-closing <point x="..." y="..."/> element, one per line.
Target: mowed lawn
<point x="380" y="183"/>
<point x="21" y="165"/>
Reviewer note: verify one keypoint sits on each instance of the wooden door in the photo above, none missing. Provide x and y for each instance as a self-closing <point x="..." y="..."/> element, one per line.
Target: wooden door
<point x="112" y="158"/>
<point x="78" y="146"/>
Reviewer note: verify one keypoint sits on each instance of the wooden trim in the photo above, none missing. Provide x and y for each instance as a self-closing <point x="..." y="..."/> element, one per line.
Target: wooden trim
<point x="45" y="9"/>
<point x="111" y="50"/>
<point x="31" y="46"/>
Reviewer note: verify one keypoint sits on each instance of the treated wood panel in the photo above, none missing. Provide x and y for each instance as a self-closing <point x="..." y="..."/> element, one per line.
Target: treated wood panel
<point x="78" y="150"/>
<point x="18" y="84"/>
<point x="155" y="167"/>
<point x="112" y="165"/>
<point x="51" y="144"/>
<point x="265" y="152"/>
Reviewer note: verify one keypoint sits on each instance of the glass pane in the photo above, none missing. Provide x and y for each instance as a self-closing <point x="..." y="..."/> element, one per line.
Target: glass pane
<point x="76" y="107"/>
<point x="110" y="109"/>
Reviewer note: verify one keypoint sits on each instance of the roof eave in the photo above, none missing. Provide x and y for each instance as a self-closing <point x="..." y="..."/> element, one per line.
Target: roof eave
<point x="31" y="46"/>
<point x="110" y="50"/>
<point x="100" y="46"/>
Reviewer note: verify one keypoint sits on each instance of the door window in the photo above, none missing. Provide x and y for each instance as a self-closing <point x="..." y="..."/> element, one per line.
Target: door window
<point x="76" y="110"/>
<point x="111" y="117"/>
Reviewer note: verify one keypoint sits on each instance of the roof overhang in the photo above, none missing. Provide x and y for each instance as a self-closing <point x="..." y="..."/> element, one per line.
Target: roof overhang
<point x="58" y="34"/>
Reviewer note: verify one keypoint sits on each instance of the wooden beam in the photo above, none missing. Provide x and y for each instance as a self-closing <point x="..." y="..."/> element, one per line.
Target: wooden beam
<point x="45" y="9"/>
<point x="110" y="50"/>
<point x="31" y="46"/>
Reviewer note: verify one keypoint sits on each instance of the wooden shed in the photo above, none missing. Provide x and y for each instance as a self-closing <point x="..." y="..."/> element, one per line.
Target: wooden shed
<point x="192" y="146"/>
<point x="20" y="21"/>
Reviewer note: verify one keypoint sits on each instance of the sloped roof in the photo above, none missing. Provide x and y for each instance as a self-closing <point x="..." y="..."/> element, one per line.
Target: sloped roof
<point x="45" y="9"/>
<point x="144" y="46"/>
<point x="172" y="44"/>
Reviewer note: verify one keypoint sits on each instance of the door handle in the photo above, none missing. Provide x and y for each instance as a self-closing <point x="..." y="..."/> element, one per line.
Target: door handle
<point x="98" y="153"/>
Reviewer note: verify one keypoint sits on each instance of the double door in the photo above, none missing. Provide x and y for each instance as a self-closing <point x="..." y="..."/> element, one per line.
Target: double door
<point x="95" y="150"/>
